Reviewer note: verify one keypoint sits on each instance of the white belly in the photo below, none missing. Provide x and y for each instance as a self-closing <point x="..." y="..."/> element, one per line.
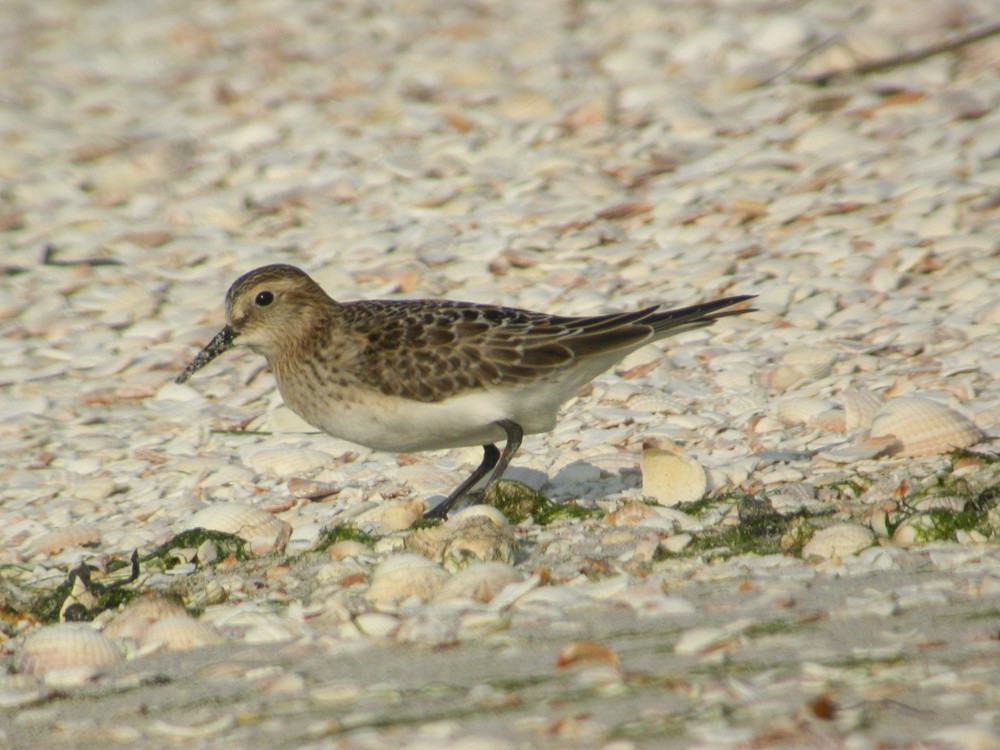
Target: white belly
<point x="390" y="423"/>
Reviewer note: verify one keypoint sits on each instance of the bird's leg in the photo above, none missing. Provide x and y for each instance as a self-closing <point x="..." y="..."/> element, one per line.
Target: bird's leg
<point x="490" y="457"/>
<point x="514" y="435"/>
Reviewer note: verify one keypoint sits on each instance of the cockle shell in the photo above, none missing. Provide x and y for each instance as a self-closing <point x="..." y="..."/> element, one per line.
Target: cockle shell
<point x="180" y="633"/>
<point x="405" y="575"/>
<point x="135" y="619"/>
<point x="65" y="647"/>
<point x="837" y="541"/>
<point x="923" y="427"/>
<point x="860" y="408"/>
<point x="797" y="365"/>
<point x="245" y="521"/>
<point x="801" y="410"/>
<point x="479" y="532"/>
<point x="284" y="461"/>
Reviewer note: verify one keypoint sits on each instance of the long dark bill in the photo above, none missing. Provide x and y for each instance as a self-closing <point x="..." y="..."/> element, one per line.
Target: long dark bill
<point x="222" y="342"/>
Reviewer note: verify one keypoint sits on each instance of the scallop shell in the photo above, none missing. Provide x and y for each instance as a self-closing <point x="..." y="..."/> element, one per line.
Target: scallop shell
<point x="923" y="427"/>
<point x="838" y="541"/>
<point x="405" y="575"/>
<point x="860" y="408"/>
<point x="245" y="521"/>
<point x="66" y="647"/>
<point x="51" y="542"/>
<point x="180" y="633"/>
<point x="395" y="516"/>
<point x="135" y="619"/>
<point x="671" y="477"/>
<point x="480" y="582"/>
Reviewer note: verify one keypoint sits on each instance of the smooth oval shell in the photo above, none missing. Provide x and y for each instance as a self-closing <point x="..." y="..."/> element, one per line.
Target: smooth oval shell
<point x="838" y="541"/>
<point x="671" y="477"/>
<point x="245" y="521"/>
<point x="180" y="633"/>
<point x="67" y="646"/>
<point x="480" y="581"/>
<point x="405" y="575"/>
<point x="922" y="427"/>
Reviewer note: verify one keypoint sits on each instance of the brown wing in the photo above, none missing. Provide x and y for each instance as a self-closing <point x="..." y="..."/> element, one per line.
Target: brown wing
<point x="429" y="350"/>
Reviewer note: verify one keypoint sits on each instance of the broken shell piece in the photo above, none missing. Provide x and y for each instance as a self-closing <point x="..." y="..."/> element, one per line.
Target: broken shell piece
<point x="245" y="521"/>
<point x="671" y="477"/>
<point x="860" y="408"/>
<point x="922" y="427"/>
<point x="58" y="648"/>
<point x="479" y="532"/>
<point x="180" y="633"/>
<point x="403" y="576"/>
<point x="797" y="365"/>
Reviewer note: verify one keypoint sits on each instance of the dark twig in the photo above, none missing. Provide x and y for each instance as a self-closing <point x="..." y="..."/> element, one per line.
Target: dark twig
<point x="904" y="58"/>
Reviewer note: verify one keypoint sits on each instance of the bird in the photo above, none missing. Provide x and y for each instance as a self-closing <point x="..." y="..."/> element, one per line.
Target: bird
<point x="416" y="375"/>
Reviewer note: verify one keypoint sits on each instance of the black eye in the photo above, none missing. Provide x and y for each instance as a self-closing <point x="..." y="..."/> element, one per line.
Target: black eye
<point x="263" y="299"/>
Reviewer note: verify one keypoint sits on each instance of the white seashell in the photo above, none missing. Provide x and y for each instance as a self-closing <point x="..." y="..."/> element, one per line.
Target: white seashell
<point x="919" y="528"/>
<point x="57" y="540"/>
<point x="245" y="521"/>
<point x="377" y="624"/>
<point x="405" y="575"/>
<point x="801" y="410"/>
<point x="282" y="461"/>
<point x="180" y="633"/>
<point x="135" y="619"/>
<point x="479" y="532"/>
<point x="923" y="427"/>
<point x="66" y="647"/>
<point x="832" y="420"/>
<point x="347" y="548"/>
<point x="860" y="407"/>
<point x="480" y="581"/>
<point x="671" y="477"/>
<point x="838" y="541"/>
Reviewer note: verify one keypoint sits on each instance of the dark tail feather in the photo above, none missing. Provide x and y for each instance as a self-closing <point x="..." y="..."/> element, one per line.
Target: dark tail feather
<point x="696" y="316"/>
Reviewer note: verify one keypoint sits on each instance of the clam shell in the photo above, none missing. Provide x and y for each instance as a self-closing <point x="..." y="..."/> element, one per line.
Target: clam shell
<point x="922" y="427"/>
<point x="245" y="521"/>
<point x="405" y="575"/>
<point x="479" y="532"/>
<point x="813" y="364"/>
<point x="63" y="647"/>
<point x="180" y="633"/>
<point x="860" y="408"/>
<point x="671" y="477"/>
<point x="480" y="581"/>
<point x="51" y="542"/>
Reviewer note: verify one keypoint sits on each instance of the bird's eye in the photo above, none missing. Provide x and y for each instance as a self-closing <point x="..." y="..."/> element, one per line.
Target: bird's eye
<point x="263" y="299"/>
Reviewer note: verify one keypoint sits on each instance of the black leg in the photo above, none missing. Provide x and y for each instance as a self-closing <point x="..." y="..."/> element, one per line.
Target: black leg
<point x="490" y="457"/>
<point x="514" y="435"/>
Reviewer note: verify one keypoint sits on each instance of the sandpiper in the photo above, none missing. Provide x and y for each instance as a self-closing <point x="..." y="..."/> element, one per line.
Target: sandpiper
<point x="415" y="375"/>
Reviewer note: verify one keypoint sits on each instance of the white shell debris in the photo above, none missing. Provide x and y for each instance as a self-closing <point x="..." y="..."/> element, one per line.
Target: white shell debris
<point x="480" y="581"/>
<point x="57" y="540"/>
<point x="923" y="427"/>
<point x="135" y="619"/>
<point x="860" y="408"/>
<point x="671" y="477"/>
<point x="285" y="461"/>
<point x="66" y="648"/>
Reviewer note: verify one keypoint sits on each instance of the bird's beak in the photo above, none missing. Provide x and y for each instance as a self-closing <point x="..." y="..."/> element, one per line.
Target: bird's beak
<point x="222" y="342"/>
